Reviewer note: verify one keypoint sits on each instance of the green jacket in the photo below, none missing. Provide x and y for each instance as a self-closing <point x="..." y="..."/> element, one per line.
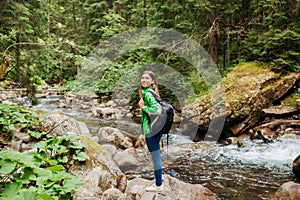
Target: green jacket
<point x="151" y="106"/>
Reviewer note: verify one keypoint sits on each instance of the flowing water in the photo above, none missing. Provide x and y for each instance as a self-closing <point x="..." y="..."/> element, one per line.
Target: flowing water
<point x="254" y="171"/>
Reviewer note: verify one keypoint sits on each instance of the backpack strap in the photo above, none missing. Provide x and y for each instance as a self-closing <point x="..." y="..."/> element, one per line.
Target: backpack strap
<point x="158" y="99"/>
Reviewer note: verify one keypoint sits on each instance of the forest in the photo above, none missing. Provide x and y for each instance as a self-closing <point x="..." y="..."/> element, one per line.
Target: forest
<point x="50" y="43"/>
<point x="45" y="41"/>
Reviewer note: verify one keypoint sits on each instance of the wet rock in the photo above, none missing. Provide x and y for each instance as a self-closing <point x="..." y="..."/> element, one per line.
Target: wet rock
<point x="296" y="166"/>
<point x="105" y="112"/>
<point x="41" y="95"/>
<point x="24" y="137"/>
<point x="86" y="96"/>
<point x="126" y="160"/>
<point x="232" y="140"/>
<point x="266" y="134"/>
<point x="112" y="194"/>
<point x="288" y="191"/>
<point x="16" y="144"/>
<point x="173" y="189"/>
<point x="85" y="194"/>
<point x="115" y="136"/>
<point x="235" y="140"/>
<point x="25" y="147"/>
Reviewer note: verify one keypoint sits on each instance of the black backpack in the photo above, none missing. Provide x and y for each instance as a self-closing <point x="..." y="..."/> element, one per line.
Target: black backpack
<point x="162" y="123"/>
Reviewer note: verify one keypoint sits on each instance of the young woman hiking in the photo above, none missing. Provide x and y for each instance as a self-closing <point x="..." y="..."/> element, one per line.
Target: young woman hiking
<point x="149" y="105"/>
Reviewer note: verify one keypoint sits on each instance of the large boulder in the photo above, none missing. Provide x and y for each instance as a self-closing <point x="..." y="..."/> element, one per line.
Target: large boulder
<point x="99" y="173"/>
<point x="288" y="191"/>
<point x="58" y="124"/>
<point x="173" y="189"/>
<point x="249" y="88"/>
<point x="296" y="166"/>
<point x="115" y="136"/>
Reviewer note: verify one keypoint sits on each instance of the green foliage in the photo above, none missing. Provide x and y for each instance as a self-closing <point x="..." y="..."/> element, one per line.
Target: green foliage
<point x="42" y="174"/>
<point x="110" y="77"/>
<point x="279" y="48"/>
<point x="54" y="38"/>
<point x="16" y="116"/>
<point x="23" y="176"/>
<point x="60" y="150"/>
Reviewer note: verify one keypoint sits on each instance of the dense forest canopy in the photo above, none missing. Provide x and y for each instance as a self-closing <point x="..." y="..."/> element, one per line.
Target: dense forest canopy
<point x="47" y="40"/>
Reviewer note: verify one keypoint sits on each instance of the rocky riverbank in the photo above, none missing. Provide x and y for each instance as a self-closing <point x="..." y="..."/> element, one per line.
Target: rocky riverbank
<point x="101" y="174"/>
<point x="260" y="105"/>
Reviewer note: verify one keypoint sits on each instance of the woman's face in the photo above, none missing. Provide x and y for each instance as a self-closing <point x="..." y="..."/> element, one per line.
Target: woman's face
<point x="146" y="80"/>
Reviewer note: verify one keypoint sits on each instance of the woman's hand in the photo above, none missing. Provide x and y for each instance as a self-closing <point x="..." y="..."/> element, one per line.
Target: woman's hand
<point x="141" y="103"/>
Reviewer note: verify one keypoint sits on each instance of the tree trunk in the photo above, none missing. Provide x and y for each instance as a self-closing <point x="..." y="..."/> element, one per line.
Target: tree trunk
<point x="213" y="35"/>
<point x="18" y="54"/>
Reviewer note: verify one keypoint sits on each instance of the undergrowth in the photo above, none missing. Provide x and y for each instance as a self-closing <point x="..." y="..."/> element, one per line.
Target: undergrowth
<point x="41" y="174"/>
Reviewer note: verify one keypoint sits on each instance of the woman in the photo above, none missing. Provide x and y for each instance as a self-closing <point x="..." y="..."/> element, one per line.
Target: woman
<point x="149" y="105"/>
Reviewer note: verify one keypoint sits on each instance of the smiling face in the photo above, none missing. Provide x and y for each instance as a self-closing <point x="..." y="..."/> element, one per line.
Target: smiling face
<point x="146" y="80"/>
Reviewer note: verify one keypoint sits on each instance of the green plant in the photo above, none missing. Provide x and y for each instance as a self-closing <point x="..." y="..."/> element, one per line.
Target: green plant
<point x="42" y="174"/>
<point x="24" y="177"/>
<point x="16" y="117"/>
<point x="61" y="150"/>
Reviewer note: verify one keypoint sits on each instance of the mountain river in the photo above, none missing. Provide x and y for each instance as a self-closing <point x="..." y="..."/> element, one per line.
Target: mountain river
<point x="254" y="171"/>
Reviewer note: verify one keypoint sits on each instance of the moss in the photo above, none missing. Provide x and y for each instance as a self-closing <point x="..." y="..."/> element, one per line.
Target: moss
<point x="249" y="68"/>
<point x="93" y="148"/>
<point x="291" y="100"/>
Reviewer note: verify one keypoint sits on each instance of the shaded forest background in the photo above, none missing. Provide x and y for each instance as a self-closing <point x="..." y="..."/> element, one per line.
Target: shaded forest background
<point x="48" y="39"/>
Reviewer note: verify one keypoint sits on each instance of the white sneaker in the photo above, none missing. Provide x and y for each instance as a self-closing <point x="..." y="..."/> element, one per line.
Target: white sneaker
<point x="154" y="188"/>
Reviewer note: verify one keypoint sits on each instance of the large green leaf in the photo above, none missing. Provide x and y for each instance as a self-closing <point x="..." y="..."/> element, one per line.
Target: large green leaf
<point x="62" y="149"/>
<point x="11" y="190"/>
<point x="80" y="156"/>
<point x="46" y="197"/>
<point x="27" y="195"/>
<point x="71" y="184"/>
<point x="76" y="145"/>
<point x="56" y="168"/>
<point x="63" y="159"/>
<point x="11" y="155"/>
<point x="6" y="167"/>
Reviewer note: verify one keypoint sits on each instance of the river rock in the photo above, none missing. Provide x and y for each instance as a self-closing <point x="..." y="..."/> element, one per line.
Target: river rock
<point x="280" y="110"/>
<point x="296" y="166"/>
<point x="173" y="189"/>
<point x="126" y="160"/>
<point x="266" y="134"/>
<point x="112" y="194"/>
<point x="115" y="136"/>
<point x="57" y="124"/>
<point x="105" y="112"/>
<point x="86" y="95"/>
<point x="111" y="149"/>
<point x="288" y="191"/>
<point x="99" y="173"/>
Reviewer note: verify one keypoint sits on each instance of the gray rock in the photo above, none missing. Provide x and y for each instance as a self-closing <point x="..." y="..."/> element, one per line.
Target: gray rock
<point x="288" y="191"/>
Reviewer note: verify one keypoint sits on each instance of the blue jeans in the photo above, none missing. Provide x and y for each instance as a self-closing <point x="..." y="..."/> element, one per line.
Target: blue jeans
<point x="152" y="142"/>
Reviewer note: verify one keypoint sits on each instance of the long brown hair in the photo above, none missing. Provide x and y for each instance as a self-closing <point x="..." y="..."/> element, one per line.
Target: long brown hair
<point x="154" y="86"/>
